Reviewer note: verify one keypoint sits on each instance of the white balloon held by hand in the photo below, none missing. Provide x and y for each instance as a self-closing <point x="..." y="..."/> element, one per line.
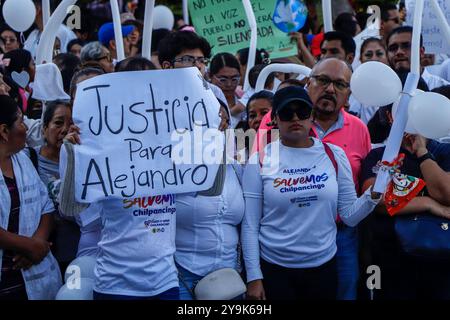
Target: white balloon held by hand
<point x="429" y="113"/>
<point x="375" y="84"/>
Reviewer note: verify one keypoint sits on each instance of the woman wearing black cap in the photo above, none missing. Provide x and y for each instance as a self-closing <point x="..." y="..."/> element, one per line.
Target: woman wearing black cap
<point x="292" y="197"/>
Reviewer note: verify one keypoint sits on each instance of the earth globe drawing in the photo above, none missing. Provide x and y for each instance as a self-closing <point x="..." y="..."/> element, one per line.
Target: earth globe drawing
<point x="290" y="15"/>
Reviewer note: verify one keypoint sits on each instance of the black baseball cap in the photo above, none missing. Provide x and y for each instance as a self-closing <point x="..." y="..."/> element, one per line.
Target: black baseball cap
<point x="285" y="96"/>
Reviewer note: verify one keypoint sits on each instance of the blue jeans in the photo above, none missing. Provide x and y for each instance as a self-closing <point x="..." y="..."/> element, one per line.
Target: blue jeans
<point x="171" y="294"/>
<point x="347" y="262"/>
<point x="188" y="281"/>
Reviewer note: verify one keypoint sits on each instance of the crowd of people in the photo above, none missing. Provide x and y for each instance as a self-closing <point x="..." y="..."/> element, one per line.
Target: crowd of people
<point x="306" y="230"/>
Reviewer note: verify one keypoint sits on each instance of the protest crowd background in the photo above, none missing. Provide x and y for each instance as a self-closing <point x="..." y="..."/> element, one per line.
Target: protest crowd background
<point x="312" y="228"/>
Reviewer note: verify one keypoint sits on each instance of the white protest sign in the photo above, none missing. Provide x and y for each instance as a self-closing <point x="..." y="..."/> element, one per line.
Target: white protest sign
<point x="146" y="133"/>
<point x="434" y="39"/>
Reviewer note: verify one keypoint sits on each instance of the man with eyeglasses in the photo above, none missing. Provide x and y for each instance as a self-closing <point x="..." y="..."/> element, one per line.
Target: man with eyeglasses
<point x="184" y="49"/>
<point x="399" y="55"/>
<point x="390" y="19"/>
<point x="329" y="90"/>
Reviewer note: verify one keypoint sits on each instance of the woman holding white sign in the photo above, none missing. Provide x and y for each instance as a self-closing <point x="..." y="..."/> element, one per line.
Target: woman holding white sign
<point x="137" y="241"/>
<point x="136" y="245"/>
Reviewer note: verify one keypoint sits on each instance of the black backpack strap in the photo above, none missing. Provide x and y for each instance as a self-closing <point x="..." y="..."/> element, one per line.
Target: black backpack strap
<point x="330" y="154"/>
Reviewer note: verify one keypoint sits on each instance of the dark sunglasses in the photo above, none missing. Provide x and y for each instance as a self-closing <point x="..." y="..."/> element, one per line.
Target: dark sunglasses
<point x="287" y="114"/>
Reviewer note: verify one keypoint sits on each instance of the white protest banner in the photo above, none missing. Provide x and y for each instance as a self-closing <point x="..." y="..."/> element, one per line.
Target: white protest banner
<point x="435" y="39"/>
<point x="136" y="133"/>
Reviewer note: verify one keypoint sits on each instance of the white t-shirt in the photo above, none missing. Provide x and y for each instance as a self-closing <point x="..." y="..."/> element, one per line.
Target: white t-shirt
<point x="137" y="246"/>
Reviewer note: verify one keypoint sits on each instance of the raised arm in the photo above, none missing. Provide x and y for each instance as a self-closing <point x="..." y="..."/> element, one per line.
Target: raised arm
<point x="252" y="185"/>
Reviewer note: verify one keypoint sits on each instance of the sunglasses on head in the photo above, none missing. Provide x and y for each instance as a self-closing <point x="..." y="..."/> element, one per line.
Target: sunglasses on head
<point x="287" y="113"/>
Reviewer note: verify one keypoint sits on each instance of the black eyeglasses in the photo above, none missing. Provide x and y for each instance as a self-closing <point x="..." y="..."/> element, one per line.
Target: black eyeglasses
<point x="191" y="60"/>
<point x="403" y="45"/>
<point x="324" y="81"/>
<point x="287" y="113"/>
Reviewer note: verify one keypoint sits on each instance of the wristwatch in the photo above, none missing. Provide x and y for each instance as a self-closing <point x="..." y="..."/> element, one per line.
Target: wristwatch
<point x="426" y="156"/>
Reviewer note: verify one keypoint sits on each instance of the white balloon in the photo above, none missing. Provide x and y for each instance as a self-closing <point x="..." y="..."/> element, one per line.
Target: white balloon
<point x="82" y="267"/>
<point x="430" y="114"/>
<point x="82" y="289"/>
<point x="163" y="18"/>
<point x="19" y="14"/>
<point x="375" y="84"/>
<point x="409" y="127"/>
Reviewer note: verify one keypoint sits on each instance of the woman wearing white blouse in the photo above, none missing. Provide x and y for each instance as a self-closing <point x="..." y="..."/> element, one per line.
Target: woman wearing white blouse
<point x="207" y="233"/>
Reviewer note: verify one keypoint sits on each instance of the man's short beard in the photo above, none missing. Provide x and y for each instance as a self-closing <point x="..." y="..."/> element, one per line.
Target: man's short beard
<point x="318" y="111"/>
<point x="402" y="70"/>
